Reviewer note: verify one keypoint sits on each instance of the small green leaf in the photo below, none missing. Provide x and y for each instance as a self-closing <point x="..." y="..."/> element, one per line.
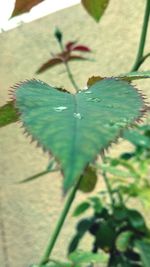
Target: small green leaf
<point x="115" y="171"/>
<point x="136" y="138"/>
<point x="136" y="220"/>
<point x="75" y="242"/>
<point x="120" y="213"/>
<point x="8" y="114"/>
<point x="96" y="203"/>
<point x="89" y="180"/>
<point x="95" y="8"/>
<point x="123" y="240"/>
<point x="82" y="228"/>
<point x="80" y="209"/>
<point x="89" y="121"/>
<point x="57" y="264"/>
<point x="79" y="257"/>
<point x="58" y="34"/>
<point x="105" y="236"/>
<point x="144" y="248"/>
<point x="135" y="75"/>
<point x="84" y="225"/>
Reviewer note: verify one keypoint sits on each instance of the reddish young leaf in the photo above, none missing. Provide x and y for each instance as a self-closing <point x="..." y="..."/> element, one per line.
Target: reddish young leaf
<point x="72" y="57"/>
<point x="69" y="46"/>
<point x="23" y="6"/>
<point x="58" y="60"/>
<point x="50" y="63"/>
<point x="81" y="48"/>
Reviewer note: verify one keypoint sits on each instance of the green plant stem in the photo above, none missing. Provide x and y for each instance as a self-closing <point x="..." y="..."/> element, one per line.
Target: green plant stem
<point x="71" y="76"/>
<point x="59" y="225"/>
<point x="143" y="59"/>
<point x="143" y="38"/>
<point x="108" y="186"/>
<point x="109" y="189"/>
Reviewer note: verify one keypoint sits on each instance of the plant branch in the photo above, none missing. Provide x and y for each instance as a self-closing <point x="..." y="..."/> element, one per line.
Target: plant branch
<point x="71" y="78"/>
<point x="143" y="59"/>
<point x="143" y="38"/>
<point x="70" y="75"/>
<point x="106" y="180"/>
<point x="59" y="225"/>
<point x="109" y="190"/>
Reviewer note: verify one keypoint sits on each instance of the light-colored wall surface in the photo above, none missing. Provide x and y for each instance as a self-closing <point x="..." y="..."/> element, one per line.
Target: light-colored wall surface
<point x="29" y="211"/>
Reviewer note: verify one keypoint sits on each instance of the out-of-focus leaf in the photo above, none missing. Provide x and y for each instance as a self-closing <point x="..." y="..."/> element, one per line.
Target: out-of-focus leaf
<point x="89" y="121"/>
<point x="89" y="180"/>
<point x="93" y="80"/>
<point x="81" y="208"/>
<point x="96" y="203"/>
<point x="105" y="236"/>
<point x="144" y="248"/>
<point x="136" y="138"/>
<point x="79" y="257"/>
<point x="58" y="34"/>
<point x="136" y="220"/>
<point x="75" y="242"/>
<point x="22" y="6"/>
<point x="145" y="127"/>
<point x="78" y="57"/>
<point x="123" y="240"/>
<point x="81" y="48"/>
<point x="69" y="46"/>
<point x="50" y="63"/>
<point x="120" y="213"/>
<point x="8" y="114"/>
<point x="56" y="263"/>
<point x="114" y="171"/>
<point x="84" y="225"/>
<point x="127" y="156"/>
<point x="58" y="60"/>
<point x="82" y="228"/>
<point x="95" y="8"/>
<point x="72" y="46"/>
<point x="144" y="196"/>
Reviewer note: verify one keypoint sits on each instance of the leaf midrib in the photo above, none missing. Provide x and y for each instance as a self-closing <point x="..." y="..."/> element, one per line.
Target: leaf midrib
<point x="73" y="148"/>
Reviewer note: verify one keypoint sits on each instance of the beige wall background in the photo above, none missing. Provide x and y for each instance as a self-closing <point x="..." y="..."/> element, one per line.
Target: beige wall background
<point x="29" y="211"/>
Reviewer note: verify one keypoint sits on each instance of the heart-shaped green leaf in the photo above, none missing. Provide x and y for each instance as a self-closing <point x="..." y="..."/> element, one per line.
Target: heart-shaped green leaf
<point x="75" y="128"/>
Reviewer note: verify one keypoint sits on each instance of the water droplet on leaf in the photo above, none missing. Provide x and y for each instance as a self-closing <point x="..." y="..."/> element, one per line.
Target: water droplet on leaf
<point x="120" y="124"/>
<point x="60" y="108"/>
<point x="88" y="92"/>
<point x="110" y="106"/>
<point x="77" y="115"/>
<point x="142" y="142"/>
<point x="94" y="99"/>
